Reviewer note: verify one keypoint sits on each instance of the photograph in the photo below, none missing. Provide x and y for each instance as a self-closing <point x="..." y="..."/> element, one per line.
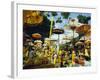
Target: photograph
<point x="56" y="39"/>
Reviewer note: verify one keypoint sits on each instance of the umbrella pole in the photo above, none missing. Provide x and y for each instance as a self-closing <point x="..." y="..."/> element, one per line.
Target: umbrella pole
<point x="84" y="44"/>
<point x="58" y="45"/>
<point x="73" y="37"/>
<point x="51" y="26"/>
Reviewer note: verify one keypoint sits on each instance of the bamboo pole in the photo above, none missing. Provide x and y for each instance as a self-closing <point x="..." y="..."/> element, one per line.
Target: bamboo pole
<point x="51" y="26"/>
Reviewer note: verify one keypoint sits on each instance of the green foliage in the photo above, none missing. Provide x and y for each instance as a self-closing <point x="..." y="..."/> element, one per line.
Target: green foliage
<point x="54" y="13"/>
<point x="48" y="15"/>
<point x="83" y="19"/>
<point x="59" y="20"/>
<point x="53" y="23"/>
<point x="62" y="46"/>
<point x="65" y="15"/>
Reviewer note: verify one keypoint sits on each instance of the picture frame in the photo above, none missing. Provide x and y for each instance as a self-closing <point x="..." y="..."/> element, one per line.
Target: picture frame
<point x="17" y="40"/>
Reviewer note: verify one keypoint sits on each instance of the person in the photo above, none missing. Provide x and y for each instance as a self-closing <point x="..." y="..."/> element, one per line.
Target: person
<point x="86" y="53"/>
<point x="38" y="47"/>
<point x="76" y="62"/>
<point x="54" y="58"/>
<point x="31" y="54"/>
<point x="66" y="59"/>
<point x="80" y="52"/>
<point x="73" y="57"/>
<point x="62" y="59"/>
<point x="81" y="60"/>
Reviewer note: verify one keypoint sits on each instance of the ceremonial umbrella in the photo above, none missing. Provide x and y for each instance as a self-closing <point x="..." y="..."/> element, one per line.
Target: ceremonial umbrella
<point x="36" y="36"/>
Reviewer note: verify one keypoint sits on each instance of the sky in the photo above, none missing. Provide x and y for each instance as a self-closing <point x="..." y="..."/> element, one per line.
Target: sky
<point x="65" y="21"/>
<point x="69" y="33"/>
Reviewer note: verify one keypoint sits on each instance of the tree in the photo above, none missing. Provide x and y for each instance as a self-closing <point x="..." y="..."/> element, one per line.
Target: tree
<point x="54" y="13"/>
<point x="83" y="19"/>
<point x="65" y="15"/>
<point x="59" y="20"/>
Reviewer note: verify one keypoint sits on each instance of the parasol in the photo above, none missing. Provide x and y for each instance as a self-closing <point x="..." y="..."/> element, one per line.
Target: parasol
<point x="36" y="36"/>
<point x="84" y="29"/>
<point x="79" y="43"/>
<point x="58" y="31"/>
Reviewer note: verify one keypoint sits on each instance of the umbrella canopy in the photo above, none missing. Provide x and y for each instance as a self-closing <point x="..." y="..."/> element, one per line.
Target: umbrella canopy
<point x="72" y="24"/>
<point x="36" y="36"/>
<point x="58" y="31"/>
<point x="73" y="27"/>
<point x="79" y="43"/>
<point x="84" y="29"/>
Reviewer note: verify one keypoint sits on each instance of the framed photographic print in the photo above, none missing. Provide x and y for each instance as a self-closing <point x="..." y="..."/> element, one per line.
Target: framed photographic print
<point x="52" y="40"/>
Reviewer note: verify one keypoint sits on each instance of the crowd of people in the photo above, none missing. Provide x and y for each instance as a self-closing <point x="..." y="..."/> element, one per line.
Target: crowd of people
<point x="46" y="52"/>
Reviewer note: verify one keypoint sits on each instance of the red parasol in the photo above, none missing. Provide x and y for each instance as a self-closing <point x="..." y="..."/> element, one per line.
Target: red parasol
<point x="36" y="36"/>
